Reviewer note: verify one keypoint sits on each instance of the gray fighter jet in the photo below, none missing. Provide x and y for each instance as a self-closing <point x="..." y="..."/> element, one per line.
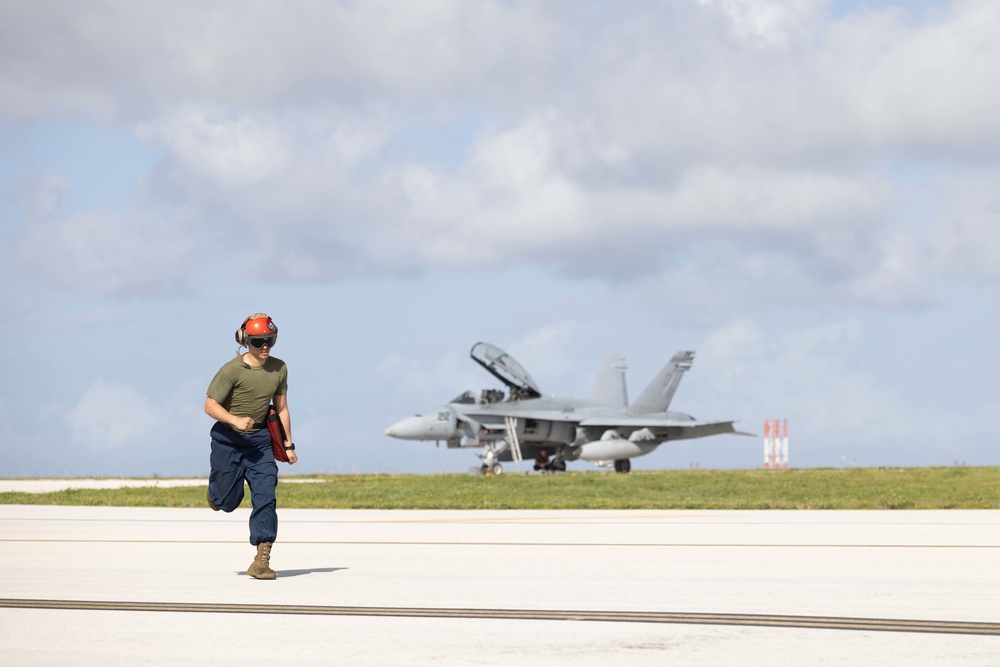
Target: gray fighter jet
<point x="603" y="428"/>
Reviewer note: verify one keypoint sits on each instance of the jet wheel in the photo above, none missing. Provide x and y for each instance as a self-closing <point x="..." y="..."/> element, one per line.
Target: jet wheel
<point x="623" y="465"/>
<point x="497" y="469"/>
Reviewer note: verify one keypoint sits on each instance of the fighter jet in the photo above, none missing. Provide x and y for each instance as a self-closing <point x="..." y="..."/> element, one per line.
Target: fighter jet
<point x="603" y="428"/>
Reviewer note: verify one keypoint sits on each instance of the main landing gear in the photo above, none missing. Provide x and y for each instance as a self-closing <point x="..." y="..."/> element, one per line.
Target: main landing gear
<point x="542" y="462"/>
<point x="624" y="465"/>
<point x="490" y="457"/>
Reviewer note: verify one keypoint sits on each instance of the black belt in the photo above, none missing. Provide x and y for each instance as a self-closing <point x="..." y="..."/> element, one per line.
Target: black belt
<point x="259" y="425"/>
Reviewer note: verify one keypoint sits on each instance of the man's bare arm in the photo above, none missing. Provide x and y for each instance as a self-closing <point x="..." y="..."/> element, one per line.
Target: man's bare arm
<point x="215" y="410"/>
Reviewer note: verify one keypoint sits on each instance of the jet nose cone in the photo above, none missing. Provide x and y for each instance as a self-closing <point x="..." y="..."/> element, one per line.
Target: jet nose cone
<point x="411" y="428"/>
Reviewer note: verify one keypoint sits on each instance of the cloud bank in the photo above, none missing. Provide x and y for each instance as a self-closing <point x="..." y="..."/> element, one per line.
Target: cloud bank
<point x="625" y="149"/>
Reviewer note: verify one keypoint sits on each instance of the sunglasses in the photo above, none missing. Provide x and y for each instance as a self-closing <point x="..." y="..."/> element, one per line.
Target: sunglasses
<point x="260" y="341"/>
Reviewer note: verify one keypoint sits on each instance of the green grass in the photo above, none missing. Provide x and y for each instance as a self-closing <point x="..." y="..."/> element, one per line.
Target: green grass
<point x="811" y="488"/>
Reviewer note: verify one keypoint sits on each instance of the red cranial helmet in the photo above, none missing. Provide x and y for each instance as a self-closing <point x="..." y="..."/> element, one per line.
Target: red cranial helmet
<point x="258" y="324"/>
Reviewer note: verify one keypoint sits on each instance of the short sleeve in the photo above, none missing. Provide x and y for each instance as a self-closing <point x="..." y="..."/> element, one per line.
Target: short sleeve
<point x="221" y="386"/>
<point x="282" y="381"/>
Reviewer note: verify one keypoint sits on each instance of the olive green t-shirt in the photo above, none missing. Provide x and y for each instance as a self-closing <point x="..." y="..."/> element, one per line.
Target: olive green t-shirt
<point x="246" y="391"/>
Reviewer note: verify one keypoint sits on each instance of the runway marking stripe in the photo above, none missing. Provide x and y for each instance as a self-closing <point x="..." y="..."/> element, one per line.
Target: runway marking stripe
<point x="515" y="519"/>
<point x="529" y="544"/>
<point x="566" y="520"/>
<point x="761" y="620"/>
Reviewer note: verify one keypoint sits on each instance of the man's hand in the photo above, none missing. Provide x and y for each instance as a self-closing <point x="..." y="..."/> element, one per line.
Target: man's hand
<point x="242" y="423"/>
<point x="215" y="410"/>
<point x="292" y="458"/>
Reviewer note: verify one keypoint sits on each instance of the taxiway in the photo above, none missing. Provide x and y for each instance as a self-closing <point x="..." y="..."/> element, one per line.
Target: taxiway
<point x="121" y="586"/>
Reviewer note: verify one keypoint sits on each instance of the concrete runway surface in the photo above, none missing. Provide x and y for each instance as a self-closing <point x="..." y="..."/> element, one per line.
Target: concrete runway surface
<point x="135" y="586"/>
<point x="50" y="485"/>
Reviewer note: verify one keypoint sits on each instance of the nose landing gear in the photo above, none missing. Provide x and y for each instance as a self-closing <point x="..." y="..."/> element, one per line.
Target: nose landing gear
<point x="490" y="457"/>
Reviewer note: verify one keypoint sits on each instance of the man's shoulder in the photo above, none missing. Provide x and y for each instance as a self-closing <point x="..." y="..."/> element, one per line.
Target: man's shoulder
<point x="232" y="368"/>
<point x="236" y="362"/>
<point x="274" y="364"/>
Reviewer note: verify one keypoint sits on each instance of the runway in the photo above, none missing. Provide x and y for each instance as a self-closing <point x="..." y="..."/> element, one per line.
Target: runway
<point x="116" y="586"/>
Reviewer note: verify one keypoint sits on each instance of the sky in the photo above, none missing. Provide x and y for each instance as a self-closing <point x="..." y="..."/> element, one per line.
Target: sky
<point x="802" y="191"/>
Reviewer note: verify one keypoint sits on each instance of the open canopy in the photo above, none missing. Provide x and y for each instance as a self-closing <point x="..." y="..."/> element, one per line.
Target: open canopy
<point x="506" y="369"/>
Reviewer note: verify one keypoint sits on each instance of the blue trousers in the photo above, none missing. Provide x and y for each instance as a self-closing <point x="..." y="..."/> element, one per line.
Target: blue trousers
<point x="237" y="457"/>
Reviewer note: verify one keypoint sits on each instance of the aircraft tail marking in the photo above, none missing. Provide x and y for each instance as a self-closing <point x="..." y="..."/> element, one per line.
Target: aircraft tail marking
<point x="657" y="396"/>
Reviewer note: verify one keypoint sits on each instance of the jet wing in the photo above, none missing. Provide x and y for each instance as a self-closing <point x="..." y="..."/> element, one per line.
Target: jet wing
<point x="674" y="429"/>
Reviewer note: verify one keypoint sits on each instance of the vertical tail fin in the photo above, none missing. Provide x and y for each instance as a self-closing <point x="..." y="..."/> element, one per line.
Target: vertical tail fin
<point x="609" y="385"/>
<point x="659" y="393"/>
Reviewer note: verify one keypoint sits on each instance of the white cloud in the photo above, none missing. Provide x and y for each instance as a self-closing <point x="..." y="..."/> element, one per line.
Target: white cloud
<point x="923" y="87"/>
<point x="112" y="60"/>
<point x="354" y="139"/>
<point x="763" y="198"/>
<point x="111" y="415"/>
<point x="236" y="151"/>
<point x="428" y="384"/>
<point x="511" y="198"/>
<point x="118" y="427"/>
<point x="650" y="148"/>
<point x="544" y="352"/>
<point x="110" y="252"/>
<point x="901" y="277"/>
<point x="771" y="23"/>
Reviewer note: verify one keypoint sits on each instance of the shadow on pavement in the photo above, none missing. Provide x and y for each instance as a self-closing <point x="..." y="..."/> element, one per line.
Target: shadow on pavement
<point x="282" y="574"/>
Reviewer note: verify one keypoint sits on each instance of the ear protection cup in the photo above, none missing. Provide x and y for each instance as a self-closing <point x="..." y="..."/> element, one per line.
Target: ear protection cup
<point x="241" y="333"/>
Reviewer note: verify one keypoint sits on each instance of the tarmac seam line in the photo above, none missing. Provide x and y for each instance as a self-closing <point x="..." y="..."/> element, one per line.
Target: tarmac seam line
<point x="767" y="620"/>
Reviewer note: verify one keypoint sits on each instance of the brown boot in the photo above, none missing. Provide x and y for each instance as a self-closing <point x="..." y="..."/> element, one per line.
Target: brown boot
<point x="259" y="567"/>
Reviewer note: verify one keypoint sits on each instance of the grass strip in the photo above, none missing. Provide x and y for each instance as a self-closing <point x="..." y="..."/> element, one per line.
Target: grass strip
<point x="808" y="488"/>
